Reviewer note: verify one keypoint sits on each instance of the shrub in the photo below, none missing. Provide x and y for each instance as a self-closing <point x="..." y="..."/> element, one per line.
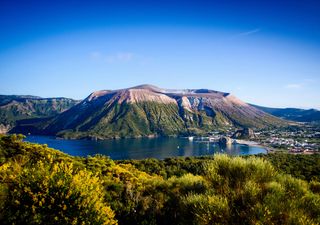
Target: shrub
<point x="54" y="194"/>
<point x="205" y="209"/>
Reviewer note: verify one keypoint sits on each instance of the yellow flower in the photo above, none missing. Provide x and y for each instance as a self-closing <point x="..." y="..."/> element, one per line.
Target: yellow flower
<point x="60" y="182"/>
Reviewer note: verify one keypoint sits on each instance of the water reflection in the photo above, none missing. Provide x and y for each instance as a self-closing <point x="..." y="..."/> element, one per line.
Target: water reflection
<point x="141" y="148"/>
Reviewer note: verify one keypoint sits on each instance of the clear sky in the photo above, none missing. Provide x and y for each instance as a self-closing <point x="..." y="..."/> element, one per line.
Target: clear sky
<point x="264" y="52"/>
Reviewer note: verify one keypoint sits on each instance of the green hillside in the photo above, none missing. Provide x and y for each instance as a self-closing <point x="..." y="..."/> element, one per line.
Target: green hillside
<point x="134" y="120"/>
<point x="14" y="108"/>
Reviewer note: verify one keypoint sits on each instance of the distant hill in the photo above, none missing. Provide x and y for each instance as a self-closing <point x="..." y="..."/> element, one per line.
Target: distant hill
<point x="147" y="110"/>
<point x="293" y="114"/>
<point x="14" y="108"/>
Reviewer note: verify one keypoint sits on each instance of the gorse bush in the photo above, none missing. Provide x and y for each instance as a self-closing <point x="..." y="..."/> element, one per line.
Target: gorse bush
<point x="39" y="185"/>
<point x="205" y="209"/>
<point x="54" y="194"/>
<point x="224" y="170"/>
<point x="256" y="193"/>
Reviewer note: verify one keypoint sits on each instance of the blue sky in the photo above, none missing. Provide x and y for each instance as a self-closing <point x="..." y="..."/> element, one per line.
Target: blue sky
<point x="264" y="52"/>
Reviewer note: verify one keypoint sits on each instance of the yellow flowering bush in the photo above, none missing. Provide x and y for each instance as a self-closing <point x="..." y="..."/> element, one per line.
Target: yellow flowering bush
<point x="55" y="194"/>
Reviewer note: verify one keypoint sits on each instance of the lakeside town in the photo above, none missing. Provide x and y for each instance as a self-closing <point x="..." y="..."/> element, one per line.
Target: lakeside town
<point x="302" y="139"/>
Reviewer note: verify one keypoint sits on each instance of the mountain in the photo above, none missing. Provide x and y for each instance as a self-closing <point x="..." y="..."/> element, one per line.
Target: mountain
<point x="16" y="108"/>
<point x="293" y="114"/>
<point x="147" y="110"/>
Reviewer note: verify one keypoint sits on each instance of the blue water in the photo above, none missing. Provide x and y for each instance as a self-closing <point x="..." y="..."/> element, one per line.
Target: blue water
<point x="142" y="148"/>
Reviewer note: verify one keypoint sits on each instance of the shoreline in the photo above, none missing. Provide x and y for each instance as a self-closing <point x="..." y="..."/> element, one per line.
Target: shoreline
<point x="255" y="144"/>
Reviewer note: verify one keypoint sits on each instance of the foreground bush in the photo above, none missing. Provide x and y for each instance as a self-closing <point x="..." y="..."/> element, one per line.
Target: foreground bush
<point x="251" y="191"/>
<point x="53" y="194"/>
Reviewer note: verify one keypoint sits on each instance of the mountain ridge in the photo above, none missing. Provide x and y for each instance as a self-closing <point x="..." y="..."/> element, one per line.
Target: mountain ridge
<point x="139" y="111"/>
<point x="293" y="114"/>
<point x="147" y="110"/>
<point x="14" y="108"/>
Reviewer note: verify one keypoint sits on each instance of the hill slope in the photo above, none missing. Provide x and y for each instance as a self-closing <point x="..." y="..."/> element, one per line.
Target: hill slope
<point x="147" y="110"/>
<point x="294" y="114"/>
<point x="14" y="108"/>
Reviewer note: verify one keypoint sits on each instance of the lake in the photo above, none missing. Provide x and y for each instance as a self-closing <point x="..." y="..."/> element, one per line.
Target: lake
<point x="142" y="148"/>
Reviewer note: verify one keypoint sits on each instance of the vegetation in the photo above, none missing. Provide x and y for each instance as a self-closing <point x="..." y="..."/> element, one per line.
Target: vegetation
<point x="39" y="185"/>
<point x="131" y="120"/>
<point x="19" y="109"/>
<point x="306" y="167"/>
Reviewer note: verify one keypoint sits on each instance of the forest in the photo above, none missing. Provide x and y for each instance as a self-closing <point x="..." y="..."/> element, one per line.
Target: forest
<point x="40" y="185"/>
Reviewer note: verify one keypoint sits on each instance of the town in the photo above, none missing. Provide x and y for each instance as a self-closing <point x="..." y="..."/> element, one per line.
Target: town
<point x="303" y="138"/>
<point x="297" y="139"/>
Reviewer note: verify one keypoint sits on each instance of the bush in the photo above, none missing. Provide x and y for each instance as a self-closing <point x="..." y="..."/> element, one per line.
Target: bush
<point x="53" y="194"/>
<point x="205" y="209"/>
